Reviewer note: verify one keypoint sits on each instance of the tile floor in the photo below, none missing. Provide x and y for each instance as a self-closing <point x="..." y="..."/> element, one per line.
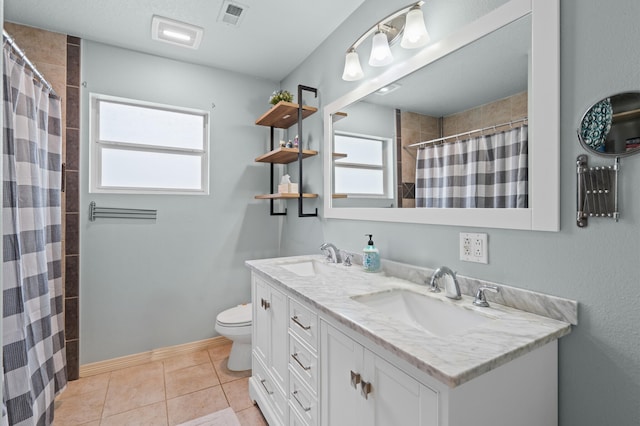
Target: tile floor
<point x="166" y="392"/>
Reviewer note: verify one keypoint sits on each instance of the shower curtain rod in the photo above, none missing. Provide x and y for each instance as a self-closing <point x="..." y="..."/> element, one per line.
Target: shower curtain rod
<point x="441" y="140"/>
<point x="23" y="56"/>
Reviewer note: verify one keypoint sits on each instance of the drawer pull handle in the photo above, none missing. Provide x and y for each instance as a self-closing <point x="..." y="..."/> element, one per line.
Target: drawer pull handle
<point x="265" y="304"/>
<point x="294" y="394"/>
<point x="295" y="356"/>
<point x="355" y="379"/>
<point x="269" y="392"/>
<point x="295" y="319"/>
<point x="365" y="389"/>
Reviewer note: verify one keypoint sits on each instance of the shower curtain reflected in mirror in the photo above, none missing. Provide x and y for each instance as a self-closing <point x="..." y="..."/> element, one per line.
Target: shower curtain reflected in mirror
<point x="481" y="172"/>
<point x="33" y="328"/>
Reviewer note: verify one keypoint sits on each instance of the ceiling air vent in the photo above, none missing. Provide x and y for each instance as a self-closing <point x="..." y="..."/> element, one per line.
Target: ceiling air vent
<point x="232" y="13"/>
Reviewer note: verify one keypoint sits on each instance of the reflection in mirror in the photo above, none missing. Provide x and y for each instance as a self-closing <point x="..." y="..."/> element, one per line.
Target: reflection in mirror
<point x="457" y="102"/>
<point x="611" y="127"/>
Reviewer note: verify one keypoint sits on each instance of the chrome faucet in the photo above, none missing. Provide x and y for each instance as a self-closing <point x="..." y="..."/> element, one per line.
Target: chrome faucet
<point x="451" y="293"/>
<point x="333" y="255"/>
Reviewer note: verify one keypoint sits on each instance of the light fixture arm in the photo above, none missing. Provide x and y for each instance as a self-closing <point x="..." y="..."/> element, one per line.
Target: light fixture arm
<point x="383" y="21"/>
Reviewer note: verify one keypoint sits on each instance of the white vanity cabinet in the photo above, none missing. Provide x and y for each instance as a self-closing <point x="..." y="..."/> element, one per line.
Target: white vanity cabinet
<point x="270" y="351"/>
<point x="310" y="368"/>
<point x="358" y="387"/>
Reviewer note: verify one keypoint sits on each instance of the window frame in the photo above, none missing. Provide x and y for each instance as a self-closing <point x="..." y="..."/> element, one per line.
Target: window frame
<point x="97" y="145"/>
<point x="387" y="159"/>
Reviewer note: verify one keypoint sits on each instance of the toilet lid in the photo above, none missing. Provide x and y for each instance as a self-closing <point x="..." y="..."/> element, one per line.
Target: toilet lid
<point x="236" y="317"/>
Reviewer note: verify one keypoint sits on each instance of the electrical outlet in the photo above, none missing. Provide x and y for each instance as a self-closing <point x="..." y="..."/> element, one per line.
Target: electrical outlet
<point x="474" y="248"/>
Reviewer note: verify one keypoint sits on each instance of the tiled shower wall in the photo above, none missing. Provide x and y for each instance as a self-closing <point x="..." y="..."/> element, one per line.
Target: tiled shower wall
<point x="57" y="57"/>
<point x="417" y="128"/>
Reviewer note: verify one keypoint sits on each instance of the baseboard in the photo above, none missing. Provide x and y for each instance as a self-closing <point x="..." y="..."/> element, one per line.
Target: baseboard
<point x="109" y="365"/>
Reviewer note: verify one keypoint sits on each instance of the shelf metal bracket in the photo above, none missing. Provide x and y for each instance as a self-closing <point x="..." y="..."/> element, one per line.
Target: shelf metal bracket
<point x="300" y="144"/>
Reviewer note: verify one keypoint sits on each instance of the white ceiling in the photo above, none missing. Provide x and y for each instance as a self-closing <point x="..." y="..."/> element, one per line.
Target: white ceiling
<point x="273" y="38"/>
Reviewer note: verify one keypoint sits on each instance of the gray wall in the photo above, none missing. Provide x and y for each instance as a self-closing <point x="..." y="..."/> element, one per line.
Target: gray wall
<point x="152" y="285"/>
<point x="597" y="266"/>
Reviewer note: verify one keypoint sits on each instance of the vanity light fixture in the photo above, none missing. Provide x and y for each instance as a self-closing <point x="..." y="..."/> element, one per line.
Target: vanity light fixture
<point x="175" y="32"/>
<point x="408" y="22"/>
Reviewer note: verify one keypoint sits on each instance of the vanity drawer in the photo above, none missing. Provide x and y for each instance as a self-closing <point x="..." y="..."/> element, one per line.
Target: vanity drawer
<point x="304" y="362"/>
<point x="295" y="419"/>
<point x="302" y="401"/>
<point x="271" y="393"/>
<point x="304" y="323"/>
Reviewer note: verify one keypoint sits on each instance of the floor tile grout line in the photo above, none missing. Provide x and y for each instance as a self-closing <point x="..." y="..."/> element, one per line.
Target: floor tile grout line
<point x="104" y="402"/>
<point x="166" y="400"/>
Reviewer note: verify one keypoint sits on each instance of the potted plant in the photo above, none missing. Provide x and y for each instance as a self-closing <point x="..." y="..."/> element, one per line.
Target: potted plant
<point x="280" y="95"/>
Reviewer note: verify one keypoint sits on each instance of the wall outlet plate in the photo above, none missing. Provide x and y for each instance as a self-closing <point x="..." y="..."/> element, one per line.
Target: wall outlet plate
<point x="474" y="247"/>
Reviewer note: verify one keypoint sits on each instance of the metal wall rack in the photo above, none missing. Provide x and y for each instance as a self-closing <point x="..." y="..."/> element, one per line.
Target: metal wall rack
<point x="597" y="191"/>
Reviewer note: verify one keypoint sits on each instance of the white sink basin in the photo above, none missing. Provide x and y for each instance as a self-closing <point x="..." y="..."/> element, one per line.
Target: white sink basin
<point x="307" y="268"/>
<point x="426" y="313"/>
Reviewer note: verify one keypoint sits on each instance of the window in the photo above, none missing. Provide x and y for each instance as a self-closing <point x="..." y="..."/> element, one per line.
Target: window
<point x="364" y="170"/>
<point x="143" y="148"/>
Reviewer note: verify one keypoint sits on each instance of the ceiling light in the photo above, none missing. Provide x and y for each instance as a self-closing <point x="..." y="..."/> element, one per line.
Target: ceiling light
<point x="415" y="32"/>
<point x="176" y="35"/>
<point x="387" y="89"/>
<point x="409" y="21"/>
<point x="175" y="32"/>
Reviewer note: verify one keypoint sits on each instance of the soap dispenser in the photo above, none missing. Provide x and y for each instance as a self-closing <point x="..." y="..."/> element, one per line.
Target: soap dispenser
<point x="370" y="256"/>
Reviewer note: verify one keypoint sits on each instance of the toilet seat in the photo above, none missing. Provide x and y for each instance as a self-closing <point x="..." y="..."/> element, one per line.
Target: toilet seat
<point x="239" y="316"/>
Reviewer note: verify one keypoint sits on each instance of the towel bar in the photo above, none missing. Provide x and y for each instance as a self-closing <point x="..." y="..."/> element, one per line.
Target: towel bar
<point x="96" y="212"/>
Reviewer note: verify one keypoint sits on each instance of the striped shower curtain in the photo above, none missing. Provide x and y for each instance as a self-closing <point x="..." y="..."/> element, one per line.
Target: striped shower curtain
<point x="32" y="319"/>
<point x="480" y="172"/>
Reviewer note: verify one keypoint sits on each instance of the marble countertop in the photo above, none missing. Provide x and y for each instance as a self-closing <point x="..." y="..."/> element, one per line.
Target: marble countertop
<point x="453" y="359"/>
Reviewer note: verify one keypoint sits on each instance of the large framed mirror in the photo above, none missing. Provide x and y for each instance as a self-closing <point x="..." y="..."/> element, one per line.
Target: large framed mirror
<point x="503" y="66"/>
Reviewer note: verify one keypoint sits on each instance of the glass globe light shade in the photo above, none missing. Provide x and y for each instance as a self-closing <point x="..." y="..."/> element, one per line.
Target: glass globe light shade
<point x="352" y="68"/>
<point x="380" y="51"/>
<point x="415" y="32"/>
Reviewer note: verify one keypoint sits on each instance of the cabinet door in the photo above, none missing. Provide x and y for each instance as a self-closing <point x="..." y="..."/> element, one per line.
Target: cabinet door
<point x="261" y="321"/>
<point x="340" y="359"/>
<point x="396" y="398"/>
<point x="278" y="310"/>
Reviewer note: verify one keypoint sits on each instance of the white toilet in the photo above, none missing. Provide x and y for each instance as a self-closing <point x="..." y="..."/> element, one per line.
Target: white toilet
<point x="235" y="325"/>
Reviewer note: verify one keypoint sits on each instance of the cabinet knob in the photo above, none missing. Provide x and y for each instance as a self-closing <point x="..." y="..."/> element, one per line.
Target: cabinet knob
<point x="355" y="379"/>
<point x="365" y="389"/>
<point x="265" y="304"/>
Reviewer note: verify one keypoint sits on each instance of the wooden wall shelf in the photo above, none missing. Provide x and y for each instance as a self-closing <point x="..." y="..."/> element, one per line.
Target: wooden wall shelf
<point x="284" y="115"/>
<point x="337" y="116"/>
<point x="280" y="196"/>
<point x="284" y="155"/>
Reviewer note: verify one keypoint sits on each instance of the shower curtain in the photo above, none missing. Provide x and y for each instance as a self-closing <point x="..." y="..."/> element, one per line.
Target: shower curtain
<point x="34" y="360"/>
<point x="480" y="172"/>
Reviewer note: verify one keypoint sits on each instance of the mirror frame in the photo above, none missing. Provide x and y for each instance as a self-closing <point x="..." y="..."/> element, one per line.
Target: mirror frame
<point x="543" y="213"/>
